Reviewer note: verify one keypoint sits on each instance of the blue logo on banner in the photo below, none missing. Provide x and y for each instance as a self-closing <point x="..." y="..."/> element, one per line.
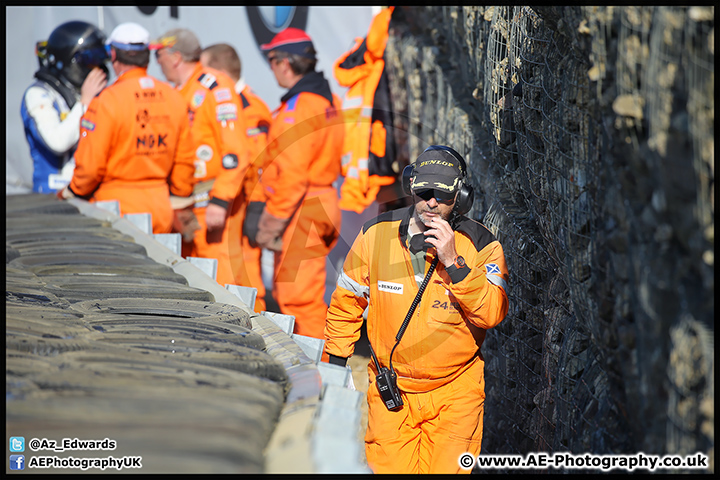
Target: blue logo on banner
<point x="265" y="22"/>
<point x="277" y="19"/>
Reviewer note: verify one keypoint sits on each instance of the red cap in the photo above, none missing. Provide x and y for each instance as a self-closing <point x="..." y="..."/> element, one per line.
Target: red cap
<point x="291" y="40"/>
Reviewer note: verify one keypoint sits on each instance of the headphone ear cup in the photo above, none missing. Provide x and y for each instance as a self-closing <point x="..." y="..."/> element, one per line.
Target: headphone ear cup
<point x="407" y="174"/>
<point x="464" y="200"/>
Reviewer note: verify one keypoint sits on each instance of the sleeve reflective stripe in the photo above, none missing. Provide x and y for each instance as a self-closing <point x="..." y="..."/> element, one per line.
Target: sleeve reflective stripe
<point x="352" y="286"/>
<point x="352" y="102"/>
<point x="497" y="280"/>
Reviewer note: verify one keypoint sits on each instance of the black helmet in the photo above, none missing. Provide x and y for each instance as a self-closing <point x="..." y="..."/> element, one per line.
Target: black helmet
<point x="73" y="49"/>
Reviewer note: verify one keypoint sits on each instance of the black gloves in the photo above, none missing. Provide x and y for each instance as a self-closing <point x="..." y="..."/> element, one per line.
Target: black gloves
<point x="252" y="218"/>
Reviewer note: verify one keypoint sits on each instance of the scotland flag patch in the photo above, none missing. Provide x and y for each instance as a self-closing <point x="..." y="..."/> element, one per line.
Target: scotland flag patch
<point x="492" y="268"/>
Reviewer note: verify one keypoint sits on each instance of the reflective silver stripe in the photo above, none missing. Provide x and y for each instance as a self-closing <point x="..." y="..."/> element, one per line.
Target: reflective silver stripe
<point x="366" y="112"/>
<point x="498" y="280"/>
<point x="352" y="102"/>
<point x="352" y="173"/>
<point x="352" y="286"/>
<point x="345" y="159"/>
<point x="362" y="164"/>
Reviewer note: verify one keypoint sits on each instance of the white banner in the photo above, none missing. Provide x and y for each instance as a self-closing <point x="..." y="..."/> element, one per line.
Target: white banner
<point x="333" y="30"/>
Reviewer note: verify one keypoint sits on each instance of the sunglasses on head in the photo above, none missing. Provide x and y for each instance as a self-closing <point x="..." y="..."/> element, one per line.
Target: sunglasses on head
<point x="441" y="197"/>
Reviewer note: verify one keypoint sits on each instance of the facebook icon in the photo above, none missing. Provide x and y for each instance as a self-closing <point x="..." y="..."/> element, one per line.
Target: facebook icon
<point x="17" y="462"/>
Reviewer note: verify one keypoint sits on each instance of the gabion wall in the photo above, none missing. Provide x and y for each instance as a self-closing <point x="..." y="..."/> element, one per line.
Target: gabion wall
<point x="589" y="136"/>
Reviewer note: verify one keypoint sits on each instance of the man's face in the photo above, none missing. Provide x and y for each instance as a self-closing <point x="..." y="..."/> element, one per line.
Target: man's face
<point x="277" y="65"/>
<point x="431" y="203"/>
<point x="164" y="59"/>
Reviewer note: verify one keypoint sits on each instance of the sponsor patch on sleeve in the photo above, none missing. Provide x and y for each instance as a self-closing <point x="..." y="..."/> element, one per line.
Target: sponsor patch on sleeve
<point x="226" y="111"/>
<point x="204" y="152"/>
<point x="492" y="269"/>
<point x="197" y="99"/>
<point x="251" y="132"/>
<point x="223" y="95"/>
<point x="208" y="81"/>
<point x="87" y="124"/>
<point x="230" y="161"/>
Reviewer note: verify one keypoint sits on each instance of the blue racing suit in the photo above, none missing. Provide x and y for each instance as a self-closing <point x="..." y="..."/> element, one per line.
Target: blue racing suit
<point x="52" y="129"/>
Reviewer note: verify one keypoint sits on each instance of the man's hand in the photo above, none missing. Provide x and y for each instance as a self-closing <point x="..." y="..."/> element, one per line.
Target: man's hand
<point x="270" y="231"/>
<point x="215" y="217"/>
<point x="65" y="193"/>
<point x="441" y="236"/>
<point x="186" y="223"/>
<point x="93" y="84"/>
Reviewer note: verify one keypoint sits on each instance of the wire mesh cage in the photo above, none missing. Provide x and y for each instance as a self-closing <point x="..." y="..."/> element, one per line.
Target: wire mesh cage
<point x="567" y="115"/>
<point x="699" y="46"/>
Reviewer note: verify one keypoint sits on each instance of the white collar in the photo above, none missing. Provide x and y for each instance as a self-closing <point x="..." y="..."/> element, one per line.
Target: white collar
<point x="240" y="85"/>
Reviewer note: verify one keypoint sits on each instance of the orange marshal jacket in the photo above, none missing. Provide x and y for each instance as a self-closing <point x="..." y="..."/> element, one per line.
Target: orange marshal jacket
<point x="138" y="142"/>
<point x="216" y="125"/>
<point x="448" y="328"/>
<point x="304" y="145"/>
<point x="257" y="120"/>
<point x="369" y="149"/>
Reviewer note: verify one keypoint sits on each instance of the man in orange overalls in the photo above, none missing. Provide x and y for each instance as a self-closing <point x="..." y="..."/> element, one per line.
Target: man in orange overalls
<point x="435" y="356"/>
<point x="134" y="145"/>
<point x="248" y="267"/>
<point x="301" y="219"/>
<point x="221" y="150"/>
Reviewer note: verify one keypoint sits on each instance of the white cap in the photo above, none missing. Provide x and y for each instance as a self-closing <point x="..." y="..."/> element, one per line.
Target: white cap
<point x="129" y="33"/>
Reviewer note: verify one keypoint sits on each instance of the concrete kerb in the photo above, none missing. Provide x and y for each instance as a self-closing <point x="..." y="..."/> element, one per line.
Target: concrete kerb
<point x="289" y="449"/>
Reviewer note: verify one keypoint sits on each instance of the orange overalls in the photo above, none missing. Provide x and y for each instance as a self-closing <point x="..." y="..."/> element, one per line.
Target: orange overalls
<point x="438" y="360"/>
<point x="247" y="266"/>
<point x="369" y="148"/>
<point x="221" y="155"/>
<point x="134" y="147"/>
<point x="303" y="161"/>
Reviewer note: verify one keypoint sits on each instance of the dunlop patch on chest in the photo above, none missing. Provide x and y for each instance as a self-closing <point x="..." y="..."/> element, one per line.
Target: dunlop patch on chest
<point x="390" y="287"/>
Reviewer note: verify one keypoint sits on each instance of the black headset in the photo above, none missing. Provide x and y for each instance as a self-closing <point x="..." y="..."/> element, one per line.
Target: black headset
<point x="465" y="196"/>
